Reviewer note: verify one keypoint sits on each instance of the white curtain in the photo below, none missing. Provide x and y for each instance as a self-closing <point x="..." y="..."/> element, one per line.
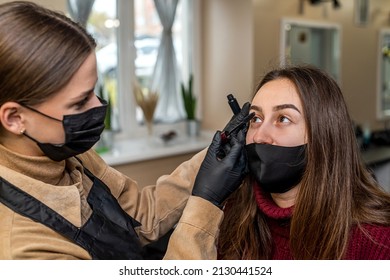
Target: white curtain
<point x="80" y="10"/>
<point x="165" y="79"/>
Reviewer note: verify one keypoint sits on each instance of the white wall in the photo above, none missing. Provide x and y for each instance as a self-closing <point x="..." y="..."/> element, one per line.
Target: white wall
<point x="228" y="57"/>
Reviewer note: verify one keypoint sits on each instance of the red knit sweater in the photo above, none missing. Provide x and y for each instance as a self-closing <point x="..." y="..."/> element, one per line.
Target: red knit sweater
<point x="374" y="247"/>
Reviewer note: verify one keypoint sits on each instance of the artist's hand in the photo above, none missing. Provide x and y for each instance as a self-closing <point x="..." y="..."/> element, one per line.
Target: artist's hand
<point x="218" y="178"/>
<point x="233" y="123"/>
<point x="237" y="119"/>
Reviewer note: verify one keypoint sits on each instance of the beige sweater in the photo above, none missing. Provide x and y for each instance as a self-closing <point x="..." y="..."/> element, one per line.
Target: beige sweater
<point x="63" y="186"/>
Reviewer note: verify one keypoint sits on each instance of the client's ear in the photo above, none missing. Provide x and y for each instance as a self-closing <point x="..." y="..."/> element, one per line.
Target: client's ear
<point x="11" y="117"/>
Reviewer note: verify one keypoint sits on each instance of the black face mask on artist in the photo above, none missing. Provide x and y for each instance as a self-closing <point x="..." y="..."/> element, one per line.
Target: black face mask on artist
<point x="82" y="131"/>
<point x="276" y="169"/>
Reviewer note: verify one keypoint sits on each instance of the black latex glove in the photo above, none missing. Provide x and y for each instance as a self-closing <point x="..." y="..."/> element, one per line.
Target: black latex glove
<point x="233" y="123"/>
<point x="237" y="119"/>
<point x="218" y="178"/>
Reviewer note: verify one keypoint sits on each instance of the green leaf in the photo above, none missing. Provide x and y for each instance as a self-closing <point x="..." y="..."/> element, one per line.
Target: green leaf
<point x="189" y="99"/>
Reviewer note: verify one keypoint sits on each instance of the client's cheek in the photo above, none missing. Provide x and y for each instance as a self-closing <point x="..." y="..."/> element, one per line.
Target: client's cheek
<point x="249" y="136"/>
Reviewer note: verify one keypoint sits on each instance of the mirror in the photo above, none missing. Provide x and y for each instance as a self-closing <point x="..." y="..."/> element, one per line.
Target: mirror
<point x="383" y="76"/>
<point x="311" y="42"/>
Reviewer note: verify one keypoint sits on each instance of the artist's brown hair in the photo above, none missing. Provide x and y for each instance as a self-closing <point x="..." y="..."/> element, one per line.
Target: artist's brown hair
<point x="336" y="191"/>
<point x="40" y="50"/>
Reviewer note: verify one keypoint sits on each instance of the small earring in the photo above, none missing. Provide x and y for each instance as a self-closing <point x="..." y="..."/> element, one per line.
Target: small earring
<point x="22" y="131"/>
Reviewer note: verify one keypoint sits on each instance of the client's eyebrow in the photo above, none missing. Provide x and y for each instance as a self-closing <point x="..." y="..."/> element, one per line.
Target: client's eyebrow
<point x="276" y="108"/>
<point x="285" y="106"/>
<point x="256" y="108"/>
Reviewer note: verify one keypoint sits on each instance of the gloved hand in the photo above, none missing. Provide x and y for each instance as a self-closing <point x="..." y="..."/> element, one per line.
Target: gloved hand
<point x="232" y="124"/>
<point x="218" y="178"/>
<point x="237" y="119"/>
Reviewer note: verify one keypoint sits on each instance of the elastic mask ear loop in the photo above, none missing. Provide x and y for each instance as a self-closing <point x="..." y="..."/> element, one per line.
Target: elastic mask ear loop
<point x="23" y="132"/>
<point x="36" y="111"/>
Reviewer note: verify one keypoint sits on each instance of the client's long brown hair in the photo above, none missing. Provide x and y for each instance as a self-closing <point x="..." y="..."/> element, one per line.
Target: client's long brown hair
<point x="336" y="191"/>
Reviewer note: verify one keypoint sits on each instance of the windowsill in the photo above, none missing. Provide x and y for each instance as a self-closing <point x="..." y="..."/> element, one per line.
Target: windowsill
<point x="142" y="149"/>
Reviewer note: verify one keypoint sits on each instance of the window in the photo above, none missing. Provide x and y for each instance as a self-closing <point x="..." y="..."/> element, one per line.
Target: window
<point x="127" y="51"/>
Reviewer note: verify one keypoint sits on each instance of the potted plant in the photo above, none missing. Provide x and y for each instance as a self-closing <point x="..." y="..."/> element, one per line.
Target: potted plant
<point x="189" y="100"/>
<point x="106" y="138"/>
<point x="147" y="101"/>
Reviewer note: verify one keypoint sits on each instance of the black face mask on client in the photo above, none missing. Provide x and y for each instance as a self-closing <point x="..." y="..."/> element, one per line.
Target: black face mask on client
<point x="277" y="169"/>
<point x="82" y="131"/>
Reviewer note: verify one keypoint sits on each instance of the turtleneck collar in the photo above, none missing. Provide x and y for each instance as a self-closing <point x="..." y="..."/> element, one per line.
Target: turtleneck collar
<point x="38" y="167"/>
<point x="268" y="206"/>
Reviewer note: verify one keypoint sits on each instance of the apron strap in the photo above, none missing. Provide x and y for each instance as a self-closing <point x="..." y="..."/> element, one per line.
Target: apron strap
<point x="26" y="205"/>
<point x="108" y="233"/>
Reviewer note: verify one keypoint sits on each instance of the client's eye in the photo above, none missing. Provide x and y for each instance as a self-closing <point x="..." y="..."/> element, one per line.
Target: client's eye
<point x="256" y="119"/>
<point x="284" y="119"/>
